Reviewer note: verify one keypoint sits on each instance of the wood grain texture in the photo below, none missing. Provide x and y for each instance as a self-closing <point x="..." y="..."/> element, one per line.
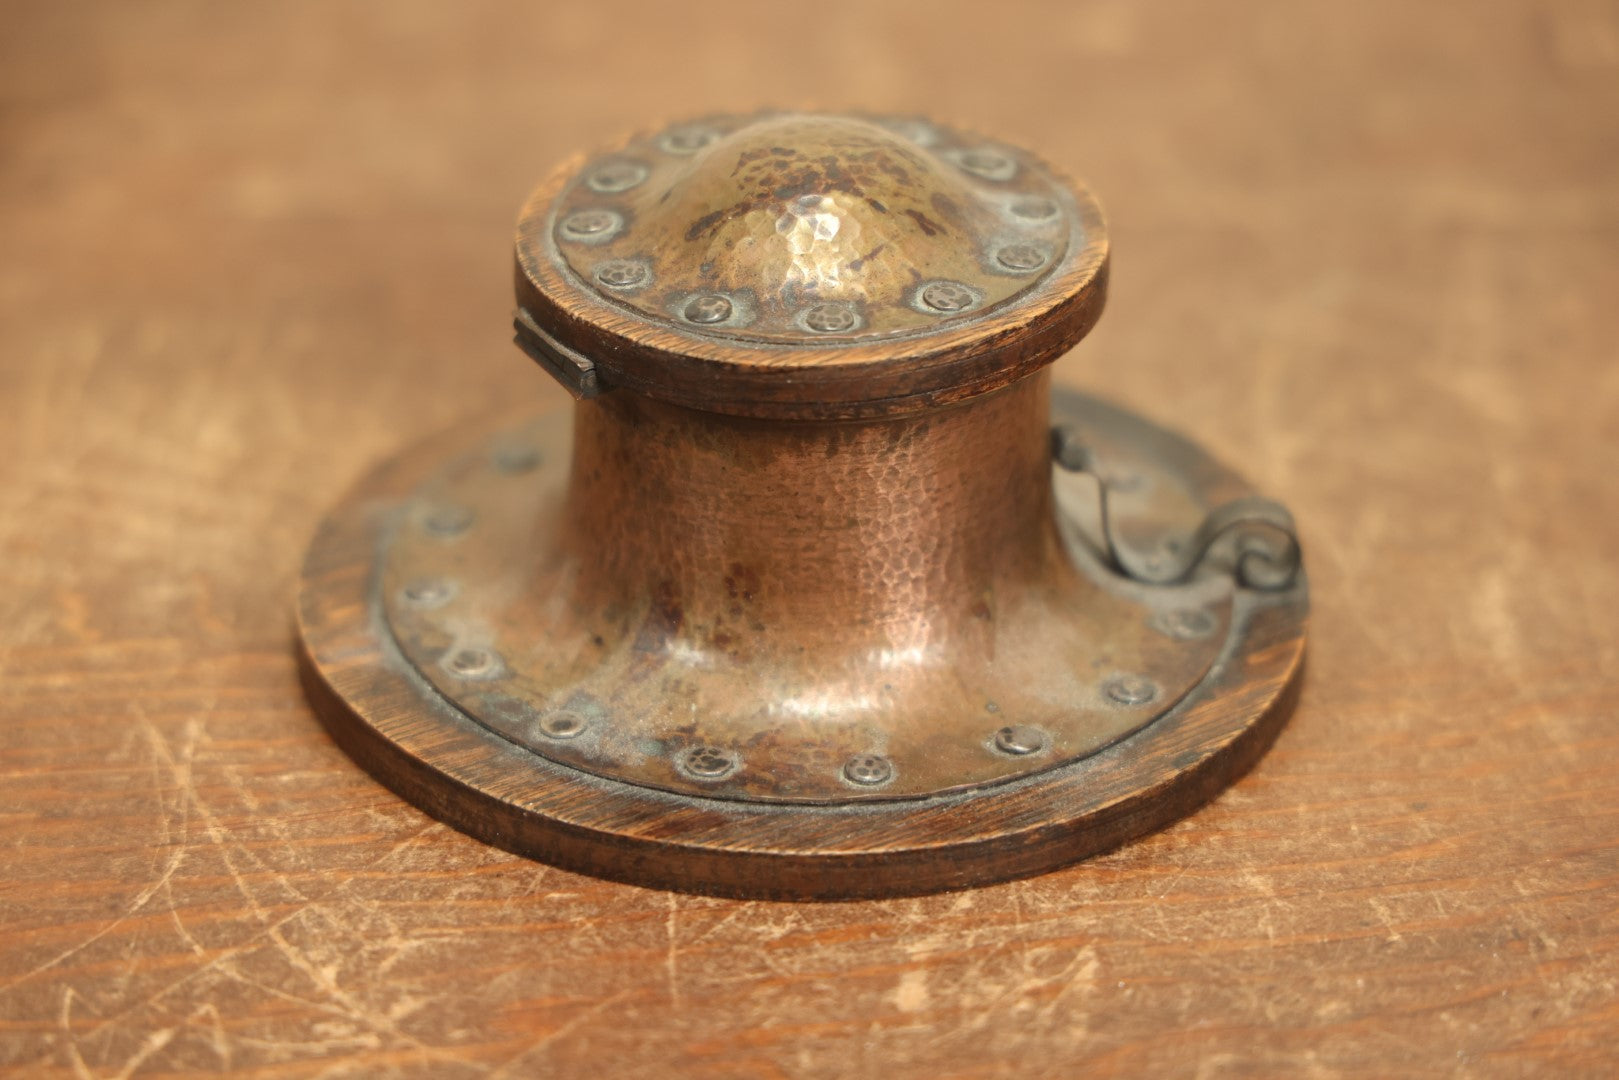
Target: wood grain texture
<point x="1366" y="253"/>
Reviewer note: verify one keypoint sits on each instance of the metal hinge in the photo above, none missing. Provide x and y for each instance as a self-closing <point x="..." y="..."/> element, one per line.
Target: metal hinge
<point x="1260" y="562"/>
<point x="576" y="373"/>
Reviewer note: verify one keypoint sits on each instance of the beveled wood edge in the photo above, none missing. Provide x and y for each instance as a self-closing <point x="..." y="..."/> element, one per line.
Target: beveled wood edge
<point x="653" y="862"/>
<point x="390" y="721"/>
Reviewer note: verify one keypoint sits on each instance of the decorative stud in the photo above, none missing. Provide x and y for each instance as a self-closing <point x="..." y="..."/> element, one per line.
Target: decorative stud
<point x="1021" y="258"/>
<point x="592" y="226"/>
<point x="868" y="770"/>
<point x="1020" y="740"/>
<point x="448" y="522"/>
<point x="709" y="763"/>
<point x="428" y="593"/>
<point x="617" y="176"/>
<point x="828" y="318"/>
<point x="947" y="297"/>
<point x="623" y="273"/>
<point x="472" y="663"/>
<point x="1130" y="690"/>
<point x="686" y="140"/>
<point x="985" y="163"/>
<point x="1034" y="208"/>
<point x="706" y="309"/>
<point x="562" y="725"/>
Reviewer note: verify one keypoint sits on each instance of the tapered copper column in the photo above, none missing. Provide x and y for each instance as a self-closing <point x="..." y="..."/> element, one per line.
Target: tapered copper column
<point x="792" y="603"/>
<point x="857" y="541"/>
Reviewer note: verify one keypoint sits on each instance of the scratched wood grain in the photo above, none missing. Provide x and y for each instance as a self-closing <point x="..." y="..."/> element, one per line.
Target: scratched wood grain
<point x="1368" y="252"/>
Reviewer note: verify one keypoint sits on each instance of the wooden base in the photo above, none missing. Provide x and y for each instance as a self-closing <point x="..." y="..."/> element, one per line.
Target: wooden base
<point x="394" y="723"/>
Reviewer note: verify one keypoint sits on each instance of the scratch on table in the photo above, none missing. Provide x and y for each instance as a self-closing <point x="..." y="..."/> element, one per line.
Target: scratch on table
<point x="334" y="999"/>
<point x="345" y="1004"/>
<point x="154" y="1041"/>
<point x="671" y="960"/>
<point x="748" y="916"/>
<point x="1382" y="912"/>
<point x="505" y="1069"/>
<point x="410" y="841"/>
<point x="1077" y="978"/>
<point x="141" y="900"/>
<point x="1261" y="887"/>
<point x="216" y="1031"/>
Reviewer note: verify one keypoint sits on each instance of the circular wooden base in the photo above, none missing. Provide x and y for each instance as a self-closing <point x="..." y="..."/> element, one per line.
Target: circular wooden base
<point x="394" y="723"/>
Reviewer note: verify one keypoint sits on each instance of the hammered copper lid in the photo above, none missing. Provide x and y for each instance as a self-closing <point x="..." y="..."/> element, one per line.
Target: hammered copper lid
<point x="792" y="264"/>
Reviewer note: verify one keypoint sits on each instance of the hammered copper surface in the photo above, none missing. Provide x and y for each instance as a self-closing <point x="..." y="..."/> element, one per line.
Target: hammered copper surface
<point x="794" y="596"/>
<point x="809" y="229"/>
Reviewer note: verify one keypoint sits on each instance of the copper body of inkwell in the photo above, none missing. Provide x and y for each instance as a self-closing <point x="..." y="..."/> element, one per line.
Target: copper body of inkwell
<point x="819" y="590"/>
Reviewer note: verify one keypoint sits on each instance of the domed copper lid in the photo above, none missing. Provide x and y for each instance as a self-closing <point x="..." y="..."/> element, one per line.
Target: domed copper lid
<point x="790" y="264"/>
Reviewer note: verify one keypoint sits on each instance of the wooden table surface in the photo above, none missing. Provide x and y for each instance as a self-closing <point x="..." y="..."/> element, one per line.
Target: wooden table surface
<point x="1369" y="252"/>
